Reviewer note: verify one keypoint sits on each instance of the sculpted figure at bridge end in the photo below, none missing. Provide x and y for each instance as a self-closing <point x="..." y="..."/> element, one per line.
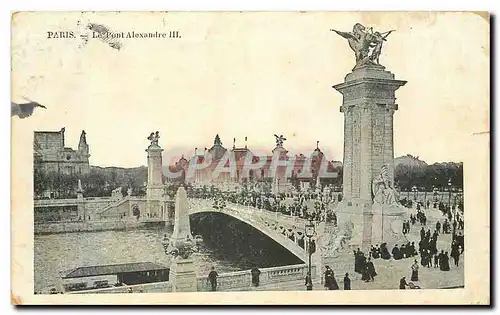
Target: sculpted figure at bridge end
<point x="279" y="140"/>
<point x="366" y="44"/>
<point x="153" y="137"/>
<point x="383" y="193"/>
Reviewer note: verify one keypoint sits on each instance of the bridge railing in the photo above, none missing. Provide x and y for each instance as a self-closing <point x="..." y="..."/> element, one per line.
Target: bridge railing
<point x="285" y="227"/>
<point x="294" y="220"/>
<point x="242" y="280"/>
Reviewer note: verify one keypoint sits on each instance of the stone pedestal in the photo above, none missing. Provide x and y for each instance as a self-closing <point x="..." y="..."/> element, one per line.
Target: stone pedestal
<point x="183" y="275"/>
<point x="368" y="107"/>
<point x="332" y="251"/>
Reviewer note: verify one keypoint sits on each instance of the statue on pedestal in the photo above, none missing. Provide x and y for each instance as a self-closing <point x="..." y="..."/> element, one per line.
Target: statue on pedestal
<point x="383" y="193"/>
<point x="332" y="240"/>
<point x="153" y="137"/>
<point x="279" y="140"/>
<point x="366" y="44"/>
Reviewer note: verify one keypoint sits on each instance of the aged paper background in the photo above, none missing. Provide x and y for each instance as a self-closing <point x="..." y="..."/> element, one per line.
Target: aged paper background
<point x="48" y="70"/>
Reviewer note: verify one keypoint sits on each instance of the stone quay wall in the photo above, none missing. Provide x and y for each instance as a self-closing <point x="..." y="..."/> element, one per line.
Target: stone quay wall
<point x="138" y="288"/>
<point x="92" y="226"/>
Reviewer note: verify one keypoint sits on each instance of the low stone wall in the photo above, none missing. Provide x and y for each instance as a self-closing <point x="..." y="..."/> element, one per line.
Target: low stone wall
<point x="242" y="280"/>
<point x="138" y="288"/>
<point x="91" y="226"/>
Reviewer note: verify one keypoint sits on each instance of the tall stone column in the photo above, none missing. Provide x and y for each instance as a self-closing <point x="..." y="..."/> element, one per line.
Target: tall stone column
<point x="154" y="189"/>
<point x="368" y="105"/>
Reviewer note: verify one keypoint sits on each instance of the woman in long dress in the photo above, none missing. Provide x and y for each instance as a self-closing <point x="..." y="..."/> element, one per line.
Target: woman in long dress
<point x="414" y="271"/>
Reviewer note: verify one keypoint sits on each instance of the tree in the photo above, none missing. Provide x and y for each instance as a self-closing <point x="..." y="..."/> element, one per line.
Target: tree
<point x="39" y="181"/>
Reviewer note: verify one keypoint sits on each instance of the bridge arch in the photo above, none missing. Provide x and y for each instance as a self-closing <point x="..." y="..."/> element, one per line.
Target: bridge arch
<point x="258" y="224"/>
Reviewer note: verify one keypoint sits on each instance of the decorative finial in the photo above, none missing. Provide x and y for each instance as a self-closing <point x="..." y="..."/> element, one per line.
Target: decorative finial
<point x="195" y="151"/>
<point x="317" y="145"/>
<point x="234" y="143"/>
<point x="245" y="142"/>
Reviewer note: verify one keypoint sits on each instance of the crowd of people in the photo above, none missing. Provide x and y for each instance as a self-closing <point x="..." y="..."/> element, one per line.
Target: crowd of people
<point x="296" y="204"/>
<point x="364" y="266"/>
<point x="308" y="204"/>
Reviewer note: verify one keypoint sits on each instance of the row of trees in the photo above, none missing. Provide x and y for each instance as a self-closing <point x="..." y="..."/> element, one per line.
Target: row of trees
<point x="428" y="177"/>
<point x="98" y="182"/>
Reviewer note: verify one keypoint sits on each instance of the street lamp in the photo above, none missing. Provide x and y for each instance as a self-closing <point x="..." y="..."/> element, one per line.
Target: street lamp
<point x="414" y="189"/>
<point x="449" y="193"/>
<point x="310" y="231"/>
<point x="425" y="196"/>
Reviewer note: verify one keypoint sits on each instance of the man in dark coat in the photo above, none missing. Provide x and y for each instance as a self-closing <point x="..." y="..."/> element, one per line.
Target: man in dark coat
<point x="347" y="282"/>
<point x="384" y="252"/>
<point x="395" y="252"/>
<point x="455" y="253"/>
<point x="371" y="270"/>
<point x="212" y="278"/>
<point x="255" y="276"/>
<point x="328" y="277"/>
<point x="402" y="251"/>
<point x="402" y="283"/>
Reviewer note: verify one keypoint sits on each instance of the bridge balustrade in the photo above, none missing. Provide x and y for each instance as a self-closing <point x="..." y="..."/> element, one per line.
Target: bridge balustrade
<point x="242" y="280"/>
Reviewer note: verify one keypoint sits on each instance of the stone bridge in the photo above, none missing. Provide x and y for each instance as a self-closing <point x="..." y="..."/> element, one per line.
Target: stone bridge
<point x="283" y="229"/>
<point x="286" y="230"/>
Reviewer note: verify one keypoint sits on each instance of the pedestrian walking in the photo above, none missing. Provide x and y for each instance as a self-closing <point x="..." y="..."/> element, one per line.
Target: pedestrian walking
<point x="212" y="278"/>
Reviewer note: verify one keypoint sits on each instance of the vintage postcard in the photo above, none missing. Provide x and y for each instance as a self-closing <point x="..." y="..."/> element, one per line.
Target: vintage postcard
<point x="250" y="157"/>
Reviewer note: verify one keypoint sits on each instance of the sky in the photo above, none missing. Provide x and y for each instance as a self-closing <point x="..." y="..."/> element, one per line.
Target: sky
<point x="246" y="75"/>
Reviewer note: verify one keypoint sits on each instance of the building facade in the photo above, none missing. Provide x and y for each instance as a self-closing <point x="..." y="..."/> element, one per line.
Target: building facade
<point x="210" y="167"/>
<point x="51" y="155"/>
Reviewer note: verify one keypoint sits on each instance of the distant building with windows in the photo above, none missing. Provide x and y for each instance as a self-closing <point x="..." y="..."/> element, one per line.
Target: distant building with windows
<point x="243" y="155"/>
<point x="51" y="155"/>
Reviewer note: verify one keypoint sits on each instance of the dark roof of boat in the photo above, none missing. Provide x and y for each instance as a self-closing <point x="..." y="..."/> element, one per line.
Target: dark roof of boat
<point x="103" y="270"/>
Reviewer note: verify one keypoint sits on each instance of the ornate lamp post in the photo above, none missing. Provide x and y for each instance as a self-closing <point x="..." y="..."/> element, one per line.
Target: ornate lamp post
<point x="425" y="196"/>
<point x="310" y="230"/>
<point x="449" y="193"/>
<point x="435" y="193"/>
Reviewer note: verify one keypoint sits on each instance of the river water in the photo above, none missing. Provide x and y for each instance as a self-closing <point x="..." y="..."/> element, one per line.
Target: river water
<point x="60" y="252"/>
